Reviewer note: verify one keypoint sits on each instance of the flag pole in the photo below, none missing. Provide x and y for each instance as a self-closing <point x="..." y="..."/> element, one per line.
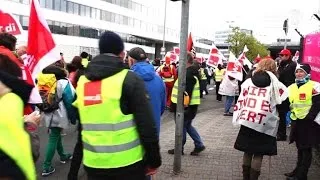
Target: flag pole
<point x="181" y="86"/>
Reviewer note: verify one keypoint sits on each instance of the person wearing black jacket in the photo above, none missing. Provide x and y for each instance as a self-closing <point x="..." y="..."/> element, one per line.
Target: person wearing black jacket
<point x="134" y="100"/>
<point x="286" y="72"/>
<point x="190" y="112"/>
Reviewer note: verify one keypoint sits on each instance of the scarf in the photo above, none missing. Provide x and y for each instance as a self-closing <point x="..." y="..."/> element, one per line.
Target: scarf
<point x="304" y="80"/>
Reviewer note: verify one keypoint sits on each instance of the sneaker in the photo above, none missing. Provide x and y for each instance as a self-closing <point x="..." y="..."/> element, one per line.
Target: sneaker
<point x="66" y="158"/>
<point x="196" y="151"/>
<point x="228" y="114"/>
<point x="171" y="151"/>
<point x="47" y="172"/>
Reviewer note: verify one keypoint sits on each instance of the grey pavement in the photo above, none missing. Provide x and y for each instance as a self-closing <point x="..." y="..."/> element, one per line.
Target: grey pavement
<point x="220" y="161"/>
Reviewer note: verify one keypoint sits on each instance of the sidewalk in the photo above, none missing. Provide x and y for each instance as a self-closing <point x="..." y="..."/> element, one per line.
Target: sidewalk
<point x="220" y="160"/>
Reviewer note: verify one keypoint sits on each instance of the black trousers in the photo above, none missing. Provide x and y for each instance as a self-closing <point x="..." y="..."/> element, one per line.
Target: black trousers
<point x="282" y="129"/>
<point x="219" y="97"/>
<point x="133" y="172"/>
<point x="303" y="163"/>
<point x="209" y="79"/>
<point x="77" y="157"/>
<point x="203" y="87"/>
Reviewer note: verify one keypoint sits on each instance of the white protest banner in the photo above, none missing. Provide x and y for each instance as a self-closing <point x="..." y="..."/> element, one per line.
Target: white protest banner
<point x="256" y="109"/>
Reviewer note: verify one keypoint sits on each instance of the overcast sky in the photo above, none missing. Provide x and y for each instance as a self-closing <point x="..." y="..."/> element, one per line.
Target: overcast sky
<point x="264" y="17"/>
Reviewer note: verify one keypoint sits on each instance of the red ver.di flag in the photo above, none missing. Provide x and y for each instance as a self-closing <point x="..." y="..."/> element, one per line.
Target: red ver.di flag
<point x="9" y="24"/>
<point x="256" y="106"/>
<point x="215" y="57"/>
<point x="234" y="67"/>
<point x="311" y="54"/>
<point x="42" y="49"/>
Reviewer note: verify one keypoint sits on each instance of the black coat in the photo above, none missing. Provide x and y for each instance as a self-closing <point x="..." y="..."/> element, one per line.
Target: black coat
<point x="251" y="141"/>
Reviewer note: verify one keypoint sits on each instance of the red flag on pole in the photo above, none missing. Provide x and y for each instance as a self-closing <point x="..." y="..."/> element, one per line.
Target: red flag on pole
<point x="41" y="46"/>
<point x="190" y="45"/>
<point x="214" y="57"/>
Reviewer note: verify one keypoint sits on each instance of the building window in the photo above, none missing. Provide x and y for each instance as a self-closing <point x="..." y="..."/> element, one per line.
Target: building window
<point x="43" y="3"/>
<point x="76" y="9"/>
<point x="23" y="1"/>
<point x="88" y="11"/>
<point x="70" y="30"/>
<point x="49" y="4"/>
<point x="70" y="7"/>
<point x="82" y="10"/>
<point x="63" y="5"/>
<point x="24" y="22"/>
<point x="50" y="24"/>
<point x="56" y="27"/>
<point x="57" y="5"/>
<point x="125" y="20"/>
<point x="98" y="14"/>
<point x="93" y="13"/>
<point x="63" y="29"/>
<point x="130" y="4"/>
<point x="117" y="18"/>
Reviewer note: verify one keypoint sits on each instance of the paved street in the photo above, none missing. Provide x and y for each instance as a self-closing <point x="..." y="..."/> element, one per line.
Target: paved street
<point x="219" y="161"/>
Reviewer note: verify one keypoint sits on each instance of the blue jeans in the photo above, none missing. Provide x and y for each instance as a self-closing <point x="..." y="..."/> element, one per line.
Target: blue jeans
<point x="228" y="103"/>
<point x="189" y="115"/>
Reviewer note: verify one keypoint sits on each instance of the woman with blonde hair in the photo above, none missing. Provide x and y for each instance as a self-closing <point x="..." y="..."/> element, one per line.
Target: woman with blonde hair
<point x="256" y="112"/>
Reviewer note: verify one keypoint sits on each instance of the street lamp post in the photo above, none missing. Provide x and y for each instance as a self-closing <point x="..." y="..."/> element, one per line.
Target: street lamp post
<point x="181" y="85"/>
<point x="163" y="49"/>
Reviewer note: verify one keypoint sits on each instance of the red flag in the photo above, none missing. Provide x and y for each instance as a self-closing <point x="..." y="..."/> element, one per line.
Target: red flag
<point x="41" y="47"/>
<point x="190" y="45"/>
<point x="214" y="57"/>
<point x="9" y="24"/>
<point x="234" y="67"/>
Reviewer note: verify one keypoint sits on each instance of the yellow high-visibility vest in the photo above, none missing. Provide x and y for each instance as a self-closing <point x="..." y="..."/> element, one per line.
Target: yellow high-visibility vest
<point x="202" y="74"/>
<point x="85" y="62"/>
<point x="300" y="100"/>
<point x="219" y="75"/>
<point x="15" y="141"/>
<point x="110" y="138"/>
<point x="195" y="98"/>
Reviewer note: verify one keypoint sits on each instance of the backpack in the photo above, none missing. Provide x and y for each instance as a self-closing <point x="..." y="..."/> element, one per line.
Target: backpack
<point x="166" y="71"/>
<point x="47" y="85"/>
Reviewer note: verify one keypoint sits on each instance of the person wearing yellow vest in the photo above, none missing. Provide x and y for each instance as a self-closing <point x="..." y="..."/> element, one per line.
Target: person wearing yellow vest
<point x="16" y="161"/>
<point x="218" y="75"/>
<point x="85" y="58"/>
<point x="119" y="135"/>
<point x="304" y="97"/>
<point x="203" y="80"/>
<point x="193" y="90"/>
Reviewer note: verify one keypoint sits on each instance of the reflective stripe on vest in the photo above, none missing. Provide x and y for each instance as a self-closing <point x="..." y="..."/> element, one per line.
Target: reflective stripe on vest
<point x="110" y="138"/>
<point x="300" y="100"/>
<point x="202" y="74"/>
<point x="219" y="75"/>
<point x="195" y="97"/>
<point x="15" y="141"/>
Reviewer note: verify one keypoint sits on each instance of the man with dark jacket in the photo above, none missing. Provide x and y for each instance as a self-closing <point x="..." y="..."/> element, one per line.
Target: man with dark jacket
<point x="118" y="131"/>
<point x="286" y="73"/>
<point x="192" y="85"/>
